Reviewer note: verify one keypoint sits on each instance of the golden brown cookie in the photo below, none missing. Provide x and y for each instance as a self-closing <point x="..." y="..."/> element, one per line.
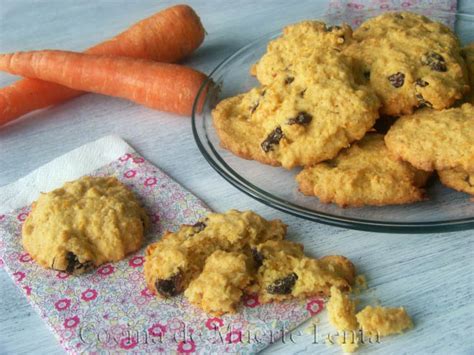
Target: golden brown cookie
<point x="383" y="321"/>
<point x="431" y="139"/>
<point x="301" y="119"/>
<point x="410" y="61"/>
<point x="85" y="223"/>
<point x="298" y="43"/>
<point x="178" y="258"/>
<point x="458" y="179"/>
<point x="364" y="174"/>
<point x="285" y="272"/>
<point x="342" y="316"/>
<point x="224" y="256"/>
<point x="219" y="287"/>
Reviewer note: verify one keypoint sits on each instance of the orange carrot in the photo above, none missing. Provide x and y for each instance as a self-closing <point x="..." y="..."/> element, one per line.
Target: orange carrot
<point x="167" y="36"/>
<point x="162" y="86"/>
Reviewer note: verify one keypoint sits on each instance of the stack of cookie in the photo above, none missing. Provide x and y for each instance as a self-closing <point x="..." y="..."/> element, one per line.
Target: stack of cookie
<point x="322" y="91"/>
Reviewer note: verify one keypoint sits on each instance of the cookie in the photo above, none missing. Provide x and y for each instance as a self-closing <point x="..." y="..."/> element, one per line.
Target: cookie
<point x="301" y="119"/>
<point x="431" y="139"/>
<point x="342" y="316"/>
<point x="458" y="179"/>
<point x="410" y="61"/>
<point x="178" y="258"/>
<point x="224" y="256"/>
<point x="371" y="321"/>
<point x="382" y="321"/>
<point x="364" y="174"/>
<point x="85" y="223"/>
<point x="468" y="54"/>
<point x="285" y="272"/>
<point x="219" y="287"/>
<point x="298" y="43"/>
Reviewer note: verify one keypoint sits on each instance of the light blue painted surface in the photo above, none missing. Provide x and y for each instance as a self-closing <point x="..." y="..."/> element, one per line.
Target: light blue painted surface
<point x="432" y="275"/>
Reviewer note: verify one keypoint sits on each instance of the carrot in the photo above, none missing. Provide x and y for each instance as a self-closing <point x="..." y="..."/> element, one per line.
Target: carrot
<point x="162" y="86"/>
<point x="167" y="36"/>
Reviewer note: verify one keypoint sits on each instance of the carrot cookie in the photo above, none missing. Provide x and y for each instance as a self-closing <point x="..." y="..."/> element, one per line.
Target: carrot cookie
<point x="364" y="174"/>
<point x="410" y="61"/>
<point x="458" y="179"/>
<point x="223" y="256"/>
<point x="383" y="321"/>
<point x="301" y="119"/>
<point x="85" y="223"/>
<point x="354" y="327"/>
<point x="219" y="287"/>
<point x="178" y="258"/>
<point x="438" y="140"/>
<point x="342" y="316"/>
<point x="297" y="44"/>
<point x="285" y="272"/>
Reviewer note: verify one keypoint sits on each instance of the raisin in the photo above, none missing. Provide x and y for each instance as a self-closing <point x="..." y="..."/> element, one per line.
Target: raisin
<point x="283" y="286"/>
<point x="366" y="74"/>
<point x="303" y="118"/>
<point x="435" y="61"/>
<point x="331" y="28"/>
<point x="74" y="265"/>
<point x="169" y="287"/>
<point x="302" y="93"/>
<point x="397" y="80"/>
<point x="421" y="82"/>
<point x="257" y="258"/>
<point x="422" y="102"/>
<point x="264" y="91"/>
<point x="273" y="138"/>
<point x="289" y="80"/>
<point x="199" y="226"/>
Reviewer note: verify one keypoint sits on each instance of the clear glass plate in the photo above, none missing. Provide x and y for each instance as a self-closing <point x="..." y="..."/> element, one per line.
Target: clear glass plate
<point x="446" y="209"/>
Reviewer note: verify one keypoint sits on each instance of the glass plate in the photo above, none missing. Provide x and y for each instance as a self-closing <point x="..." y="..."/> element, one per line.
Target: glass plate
<point x="446" y="210"/>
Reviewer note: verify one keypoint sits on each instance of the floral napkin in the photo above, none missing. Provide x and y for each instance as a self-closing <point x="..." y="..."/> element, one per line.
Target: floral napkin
<point x="111" y="309"/>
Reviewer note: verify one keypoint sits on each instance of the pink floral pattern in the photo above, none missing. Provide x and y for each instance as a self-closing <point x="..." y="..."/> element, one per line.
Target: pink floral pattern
<point x="151" y="181"/>
<point x="106" y="270"/>
<point x="128" y="343"/>
<point x="114" y="302"/>
<point x="71" y="322"/>
<point x="250" y="300"/>
<point x="25" y="258"/>
<point x="19" y="276"/>
<point x="354" y="12"/>
<point x="235" y="336"/>
<point x="186" y="347"/>
<point x="89" y="295"/>
<point x="62" y="304"/>
<point x="315" y="306"/>
<point x="214" y="323"/>
<point x="136" y="261"/>
<point x="157" y="330"/>
<point x="129" y="174"/>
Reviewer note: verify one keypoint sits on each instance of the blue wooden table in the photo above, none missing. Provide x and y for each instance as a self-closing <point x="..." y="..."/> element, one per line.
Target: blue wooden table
<point x="431" y="274"/>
